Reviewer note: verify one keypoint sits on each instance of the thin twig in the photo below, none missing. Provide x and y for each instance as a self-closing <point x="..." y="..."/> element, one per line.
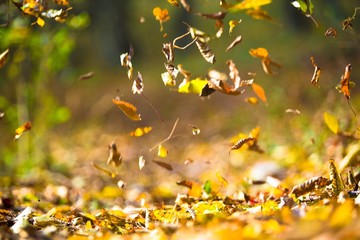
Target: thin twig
<point x="153" y="107"/>
<point x="352" y="109"/>
<point x="168" y="138"/>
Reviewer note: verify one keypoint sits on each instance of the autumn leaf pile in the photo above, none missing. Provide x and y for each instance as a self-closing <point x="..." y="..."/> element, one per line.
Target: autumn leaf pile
<point x="267" y="191"/>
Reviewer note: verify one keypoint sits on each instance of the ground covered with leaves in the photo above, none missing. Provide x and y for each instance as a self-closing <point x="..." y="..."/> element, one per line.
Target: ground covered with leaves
<point x="280" y="163"/>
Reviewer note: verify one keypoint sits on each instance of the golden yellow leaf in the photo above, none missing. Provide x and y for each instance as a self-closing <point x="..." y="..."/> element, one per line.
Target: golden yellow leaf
<point x="332" y="122"/>
<point x="251" y="100"/>
<point x="259" y="14"/>
<point x="20" y="130"/>
<point x="129" y="110"/>
<point x="162" y="151"/>
<point x="174" y="3"/>
<point x="247" y="4"/>
<point x="193" y="86"/>
<point x="259" y="52"/>
<point x="40" y="21"/>
<point x="221" y="179"/>
<point x="232" y="25"/>
<point x="343" y="214"/>
<point x="259" y="91"/>
<point x="138" y="132"/>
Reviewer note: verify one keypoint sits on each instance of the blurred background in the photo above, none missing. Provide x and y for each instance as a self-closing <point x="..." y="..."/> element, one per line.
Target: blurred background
<point x="74" y="121"/>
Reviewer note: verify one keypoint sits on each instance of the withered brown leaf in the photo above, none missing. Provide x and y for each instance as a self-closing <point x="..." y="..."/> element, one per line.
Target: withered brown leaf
<point x="115" y="157"/>
<point x="164" y="165"/>
<point x="236" y="41"/>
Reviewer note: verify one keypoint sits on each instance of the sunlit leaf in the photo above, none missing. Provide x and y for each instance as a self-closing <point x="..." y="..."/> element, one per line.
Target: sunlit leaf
<point x="115" y="157"/>
<point x="193" y="86"/>
<point x="236" y="41"/>
<point x="259" y="14"/>
<point x="174" y="3"/>
<point x="138" y="85"/>
<point x="195" y="130"/>
<point x="332" y="122"/>
<point x="162" y="151"/>
<point x="259" y="52"/>
<point x="138" y="132"/>
<point x="125" y="60"/>
<point x="2" y="115"/>
<point x="251" y="100"/>
<point x="295" y="111"/>
<point x="232" y="25"/>
<point x="3" y="57"/>
<point x="216" y="80"/>
<point x="259" y="91"/>
<point x="342" y="215"/>
<point x="164" y="165"/>
<point x="128" y="109"/>
<point x="121" y="184"/>
<point x="20" y="130"/>
<point x="245" y="4"/>
<point x="169" y="77"/>
<point x="162" y="15"/>
<point x="40" y="22"/>
<point x="234" y="74"/>
<point x="207" y="187"/>
<point x="337" y="184"/>
<point x="201" y="39"/>
<point x="317" y="71"/>
<point x="86" y="76"/>
<point x="221" y="179"/>
<point x="141" y="162"/>
<point x="32" y="7"/>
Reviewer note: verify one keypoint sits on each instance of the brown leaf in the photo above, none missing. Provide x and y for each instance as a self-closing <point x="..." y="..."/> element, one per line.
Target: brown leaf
<point x="185" y="183"/>
<point x="115" y="157"/>
<point x="317" y="71"/>
<point x="185" y="5"/>
<point x="3" y="57"/>
<point x="138" y="85"/>
<point x="168" y="50"/>
<point x="129" y="110"/>
<point x="86" y="76"/>
<point x="310" y="185"/>
<point x="201" y="40"/>
<point x="331" y="32"/>
<point x="164" y="165"/>
<point x="345" y="82"/>
<point x="20" y="130"/>
<point x="234" y="43"/>
<point x="216" y="81"/>
<point x="234" y="74"/>
<point x="218" y="15"/>
<point x="241" y="143"/>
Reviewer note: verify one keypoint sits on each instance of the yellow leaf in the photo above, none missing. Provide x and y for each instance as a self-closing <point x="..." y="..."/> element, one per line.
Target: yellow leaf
<point x="258" y="13"/>
<point x="20" y="130"/>
<point x="259" y="91"/>
<point x="331" y="122"/>
<point x="174" y="3"/>
<point x="162" y="151"/>
<point x="138" y="132"/>
<point x="40" y="22"/>
<point x="251" y="100"/>
<point x="259" y="52"/>
<point x="194" y="86"/>
<point x="248" y="4"/>
<point x="221" y="179"/>
<point x="129" y="110"/>
<point x="342" y="215"/>
<point x="232" y="25"/>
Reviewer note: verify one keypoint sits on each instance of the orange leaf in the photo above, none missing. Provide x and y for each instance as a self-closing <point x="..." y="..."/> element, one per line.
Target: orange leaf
<point x="259" y="91"/>
<point x="259" y="52"/>
<point x="345" y="82"/>
<point x="129" y="110"/>
<point x="138" y="132"/>
<point x="20" y="130"/>
<point x="162" y="15"/>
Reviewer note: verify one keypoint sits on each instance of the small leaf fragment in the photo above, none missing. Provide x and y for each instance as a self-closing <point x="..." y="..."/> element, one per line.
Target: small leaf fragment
<point x="163" y="165"/>
<point x="251" y="100"/>
<point x="162" y="151"/>
<point x="115" y="157"/>
<point x="332" y="122"/>
<point x="232" y="25"/>
<point x="207" y="187"/>
<point x="185" y="183"/>
<point x="40" y="22"/>
<point x="20" y="130"/>
<point x="195" y="129"/>
<point x="236" y="41"/>
<point x="259" y="91"/>
<point x="317" y="71"/>
<point x="221" y="179"/>
<point x="86" y="76"/>
<point x="141" y="162"/>
<point x="3" y="57"/>
<point x="138" y="85"/>
<point x="241" y="143"/>
<point x="337" y="184"/>
<point x="162" y="15"/>
<point x="128" y="109"/>
<point x="138" y="132"/>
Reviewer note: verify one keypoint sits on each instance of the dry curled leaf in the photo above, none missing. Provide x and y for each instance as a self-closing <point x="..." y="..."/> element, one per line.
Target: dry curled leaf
<point x="331" y="32"/>
<point x="129" y="110"/>
<point x="138" y="85"/>
<point x="241" y="143"/>
<point x="115" y="157"/>
<point x="20" y="130"/>
<point x="310" y="185"/>
<point x="141" y="162"/>
<point x="168" y="50"/>
<point x="185" y="183"/>
<point x="86" y="76"/>
<point x="317" y="71"/>
<point x="201" y="40"/>
<point x="337" y="184"/>
<point x="345" y="82"/>
<point x="125" y="60"/>
<point x="236" y="41"/>
<point x="266" y="62"/>
<point x="233" y="24"/>
<point x="3" y="57"/>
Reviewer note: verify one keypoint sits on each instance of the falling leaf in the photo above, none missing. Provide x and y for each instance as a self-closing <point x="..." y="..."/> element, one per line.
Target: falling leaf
<point x="234" y="43"/>
<point x="312" y="184"/>
<point x="20" y="130"/>
<point x="62" y="2"/>
<point x="345" y="82"/>
<point x="115" y="157"/>
<point x="121" y="184"/>
<point x="232" y="25"/>
<point x="162" y="15"/>
<point x="317" y="71"/>
<point x="218" y="15"/>
<point x="266" y="62"/>
<point x="259" y="14"/>
<point x="164" y="165"/>
<point x="3" y="57"/>
<point x="337" y="184"/>
<point x="219" y="25"/>
<point x="234" y="74"/>
<point x="185" y="5"/>
<point x="188" y="161"/>
<point x="251" y="100"/>
<point x="193" y="86"/>
<point x="86" y="76"/>
<point x="259" y="91"/>
<point x="129" y="110"/>
<point x="245" y="4"/>
<point x="348" y="22"/>
<point x="138" y="132"/>
<point x="241" y="143"/>
<point x="125" y="60"/>
<point x="195" y="130"/>
<point x="331" y="32"/>
<point x="216" y="81"/>
<point x="185" y="183"/>
<point x="40" y="22"/>
<point x="141" y="162"/>
<point x="295" y="111"/>
<point x="169" y="77"/>
<point x="168" y="50"/>
<point x="221" y="179"/>
<point x="162" y="151"/>
<point x="184" y="72"/>
<point x="138" y="85"/>
<point x="2" y="115"/>
<point x="332" y="122"/>
<point x="174" y="3"/>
